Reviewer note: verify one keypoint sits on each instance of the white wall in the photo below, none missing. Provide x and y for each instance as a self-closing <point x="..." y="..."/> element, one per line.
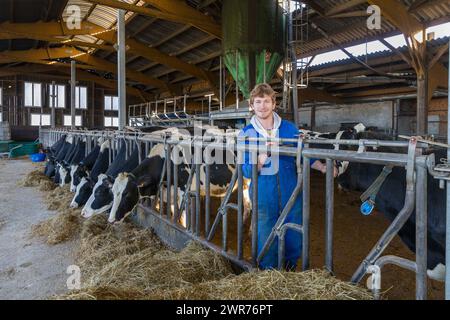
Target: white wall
<point x="329" y="118"/>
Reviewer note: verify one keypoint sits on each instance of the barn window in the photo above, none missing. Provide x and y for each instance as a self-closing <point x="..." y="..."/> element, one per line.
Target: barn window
<point x="1" y="97"/>
<point x="111" y="103"/>
<point x="1" y="117"/>
<point x="81" y="97"/>
<point x="40" y="119"/>
<point x="33" y="94"/>
<point x="68" y="121"/>
<point x="111" y="122"/>
<point x="59" y="96"/>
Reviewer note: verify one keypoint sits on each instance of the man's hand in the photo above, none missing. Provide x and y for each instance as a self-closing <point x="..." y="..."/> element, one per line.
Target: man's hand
<point x="323" y="168"/>
<point x="261" y="160"/>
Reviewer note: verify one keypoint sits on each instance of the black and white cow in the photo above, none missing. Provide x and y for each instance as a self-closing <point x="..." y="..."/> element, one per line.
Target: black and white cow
<point x="144" y="180"/>
<point x="84" y="188"/>
<point x="78" y="154"/>
<point x="52" y="165"/>
<point x="83" y="168"/>
<point x="101" y="198"/>
<point x="390" y="200"/>
<point x="51" y="155"/>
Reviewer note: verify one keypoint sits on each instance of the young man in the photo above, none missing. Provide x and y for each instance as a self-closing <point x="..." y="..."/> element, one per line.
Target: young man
<point x="277" y="177"/>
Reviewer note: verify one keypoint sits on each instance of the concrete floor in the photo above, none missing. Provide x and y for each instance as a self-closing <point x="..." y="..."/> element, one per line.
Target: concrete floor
<point x="29" y="268"/>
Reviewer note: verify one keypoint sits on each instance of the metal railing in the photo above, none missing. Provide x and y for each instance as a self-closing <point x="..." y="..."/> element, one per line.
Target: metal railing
<point x="414" y="163"/>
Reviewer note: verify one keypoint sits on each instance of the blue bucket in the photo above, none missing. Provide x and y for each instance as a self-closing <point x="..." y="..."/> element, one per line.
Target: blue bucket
<point x="37" y="157"/>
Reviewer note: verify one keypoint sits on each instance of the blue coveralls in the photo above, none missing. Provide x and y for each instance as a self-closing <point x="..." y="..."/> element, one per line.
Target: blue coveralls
<point x="274" y="191"/>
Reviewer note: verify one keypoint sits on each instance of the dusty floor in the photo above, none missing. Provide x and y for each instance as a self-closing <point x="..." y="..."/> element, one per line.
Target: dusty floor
<point x="29" y="268"/>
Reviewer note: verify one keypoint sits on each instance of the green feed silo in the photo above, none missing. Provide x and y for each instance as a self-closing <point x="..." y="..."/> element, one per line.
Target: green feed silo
<point x="253" y="30"/>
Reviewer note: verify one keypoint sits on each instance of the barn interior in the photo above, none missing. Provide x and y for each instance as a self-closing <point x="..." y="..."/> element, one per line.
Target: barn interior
<point x="112" y="66"/>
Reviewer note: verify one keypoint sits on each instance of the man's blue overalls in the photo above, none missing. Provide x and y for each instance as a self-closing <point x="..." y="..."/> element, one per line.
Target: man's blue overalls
<point x="274" y="191"/>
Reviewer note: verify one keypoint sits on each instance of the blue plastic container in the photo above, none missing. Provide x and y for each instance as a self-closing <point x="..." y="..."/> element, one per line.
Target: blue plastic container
<point x="37" y="157"/>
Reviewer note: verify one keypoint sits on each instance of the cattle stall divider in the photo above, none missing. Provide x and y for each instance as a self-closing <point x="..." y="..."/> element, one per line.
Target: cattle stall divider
<point x="416" y="166"/>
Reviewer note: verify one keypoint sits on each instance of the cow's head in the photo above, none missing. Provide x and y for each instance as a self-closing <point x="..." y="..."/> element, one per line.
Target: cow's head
<point x="64" y="175"/>
<point x="77" y="173"/>
<point x="348" y="134"/>
<point x="126" y="196"/>
<point x="83" y="192"/>
<point x="101" y="198"/>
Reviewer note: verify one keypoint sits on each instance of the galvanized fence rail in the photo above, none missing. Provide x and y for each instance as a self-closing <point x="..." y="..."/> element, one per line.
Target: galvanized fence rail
<point x="415" y="164"/>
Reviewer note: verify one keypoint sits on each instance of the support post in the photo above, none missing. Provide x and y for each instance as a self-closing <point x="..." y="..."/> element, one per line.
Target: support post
<point x="422" y="108"/>
<point x="329" y="215"/>
<point x="121" y="67"/>
<point x="72" y="93"/>
<point x="447" y="241"/>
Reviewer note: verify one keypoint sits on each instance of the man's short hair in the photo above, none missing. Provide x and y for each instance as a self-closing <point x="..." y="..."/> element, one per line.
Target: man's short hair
<point x="260" y="90"/>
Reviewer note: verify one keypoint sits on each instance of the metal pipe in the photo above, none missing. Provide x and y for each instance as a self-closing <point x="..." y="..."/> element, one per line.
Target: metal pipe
<point x="329" y="211"/>
<point x="306" y="205"/>
<point x="254" y="162"/>
<point x="294" y="69"/>
<point x="121" y="68"/>
<point x="282" y="241"/>
<point x="225" y="229"/>
<point x="398" y="222"/>
<point x="447" y="235"/>
<point x="237" y="79"/>
<point x="168" y="179"/>
<point x="240" y="220"/>
<point x="220" y="84"/>
<point x="421" y="233"/>
<point x="73" y="71"/>
<point x="207" y="198"/>
<point x="221" y="209"/>
<point x="175" y="184"/>
<point x="53" y="120"/>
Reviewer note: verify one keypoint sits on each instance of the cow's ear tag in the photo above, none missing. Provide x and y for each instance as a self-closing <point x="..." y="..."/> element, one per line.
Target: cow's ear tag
<point x="367" y="207"/>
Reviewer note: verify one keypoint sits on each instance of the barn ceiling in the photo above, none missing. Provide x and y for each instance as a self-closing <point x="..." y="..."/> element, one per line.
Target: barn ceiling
<point x="175" y="46"/>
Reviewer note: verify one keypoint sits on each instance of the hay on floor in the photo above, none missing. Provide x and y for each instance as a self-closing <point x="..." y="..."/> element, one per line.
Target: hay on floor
<point x="59" y="199"/>
<point x="62" y="227"/>
<point x="37" y="178"/>
<point x="273" y="284"/>
<point x="259" y="285"/>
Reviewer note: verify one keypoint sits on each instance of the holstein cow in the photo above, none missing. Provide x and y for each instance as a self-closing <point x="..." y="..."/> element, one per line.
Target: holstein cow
<point x="390" y="200"/>
<point x="77" y="155"/>
<point x="83" y="168"/>
<point x="84" y="188"/>
<point x="144" y="180"/>
<point x="62" y="150"/>
<point x="65" y="159"/>
<point x="101" y="198"/>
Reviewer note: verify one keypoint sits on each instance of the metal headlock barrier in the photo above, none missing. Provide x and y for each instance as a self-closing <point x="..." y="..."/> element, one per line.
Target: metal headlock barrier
<point x="412" y="160"/>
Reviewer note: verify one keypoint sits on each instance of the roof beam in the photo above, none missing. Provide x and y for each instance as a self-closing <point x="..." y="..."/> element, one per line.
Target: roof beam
<point x="96" y="63"/>
<point x="175" y="11"/>
<point x="399" y="16"/>
<point x="136" y="47"/>
<point x="344" y="6"/>
<point x="153" y="54"/>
